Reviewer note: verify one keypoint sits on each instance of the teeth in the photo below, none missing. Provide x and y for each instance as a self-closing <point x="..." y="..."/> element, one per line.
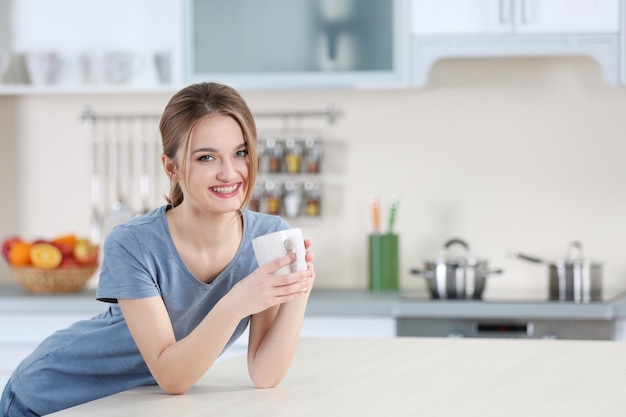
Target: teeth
<point x="225" y="190"/>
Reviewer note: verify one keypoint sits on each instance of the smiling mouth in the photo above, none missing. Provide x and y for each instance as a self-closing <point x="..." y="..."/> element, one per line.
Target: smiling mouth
<point x="225" y="189"/>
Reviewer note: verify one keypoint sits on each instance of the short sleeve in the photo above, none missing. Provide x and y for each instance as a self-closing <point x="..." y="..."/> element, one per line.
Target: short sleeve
<point x="124" y="272"/>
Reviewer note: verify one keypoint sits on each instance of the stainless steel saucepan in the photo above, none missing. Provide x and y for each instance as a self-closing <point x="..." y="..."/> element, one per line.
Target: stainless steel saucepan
<point x="456" y="277"/>
<point x="573" y="278"/>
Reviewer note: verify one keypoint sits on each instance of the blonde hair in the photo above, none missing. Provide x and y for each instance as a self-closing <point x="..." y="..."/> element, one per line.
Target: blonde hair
<point x="190" y="105"/>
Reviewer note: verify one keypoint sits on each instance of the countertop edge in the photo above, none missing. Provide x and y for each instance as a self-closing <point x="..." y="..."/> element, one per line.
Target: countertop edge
<point x="353" y="303"/>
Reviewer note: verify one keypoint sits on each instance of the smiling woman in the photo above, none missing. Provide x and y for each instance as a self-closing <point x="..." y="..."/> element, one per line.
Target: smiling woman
<point x="219" y="161"/>
<point x="189" y="266"/>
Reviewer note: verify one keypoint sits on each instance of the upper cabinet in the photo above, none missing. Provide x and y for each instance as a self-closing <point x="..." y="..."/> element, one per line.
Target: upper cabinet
<point x="74" y="46"/>
<point x="506" y="17"/>
<point x="500" y="28"/>
<point x="296" y="43"/>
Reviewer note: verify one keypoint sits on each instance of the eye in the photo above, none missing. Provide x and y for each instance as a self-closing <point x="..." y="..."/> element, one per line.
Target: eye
<point x="204" y="158"/>
<point x="241" y="154"/>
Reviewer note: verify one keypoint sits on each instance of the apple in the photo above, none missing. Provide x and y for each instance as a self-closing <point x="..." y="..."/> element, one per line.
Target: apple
<point x="85" y="252"/>
<point x="69" y="261"/>
<point x="7" y="244"/>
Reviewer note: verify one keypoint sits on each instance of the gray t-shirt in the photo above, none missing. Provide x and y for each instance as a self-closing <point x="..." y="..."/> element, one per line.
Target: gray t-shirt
<point x="98" y="357"/>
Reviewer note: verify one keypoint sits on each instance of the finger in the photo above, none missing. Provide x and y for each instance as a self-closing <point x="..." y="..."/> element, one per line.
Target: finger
<point x="278" y="263"/>
<point x="307" y="243"/>
<point x="286" y="280"/>
<point x="310" y="256"/>
<point x="299" y="286"/>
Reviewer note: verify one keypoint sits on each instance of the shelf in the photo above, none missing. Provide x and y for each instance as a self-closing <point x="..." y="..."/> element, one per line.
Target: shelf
<point x="29" y="90"/>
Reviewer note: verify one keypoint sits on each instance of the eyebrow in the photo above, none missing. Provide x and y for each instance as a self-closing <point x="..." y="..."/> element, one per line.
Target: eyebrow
<point x="200" y="150"/>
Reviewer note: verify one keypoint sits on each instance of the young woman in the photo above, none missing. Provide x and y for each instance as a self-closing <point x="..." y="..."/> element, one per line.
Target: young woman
<point x="181" y="280"/>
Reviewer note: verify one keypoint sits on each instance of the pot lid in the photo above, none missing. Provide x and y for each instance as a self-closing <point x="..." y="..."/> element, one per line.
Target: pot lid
<point x="461" y="259"/>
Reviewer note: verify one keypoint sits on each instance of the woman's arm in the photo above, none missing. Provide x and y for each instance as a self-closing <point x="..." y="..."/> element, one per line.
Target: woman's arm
<point x="177" y="365"/>
<point x="274" y="335"/>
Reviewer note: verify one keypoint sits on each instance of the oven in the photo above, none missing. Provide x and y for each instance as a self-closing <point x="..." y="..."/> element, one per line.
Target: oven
<point x="581" y="329"/>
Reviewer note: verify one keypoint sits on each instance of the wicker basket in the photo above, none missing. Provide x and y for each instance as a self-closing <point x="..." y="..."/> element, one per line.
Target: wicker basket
<point x="54" y="281"/>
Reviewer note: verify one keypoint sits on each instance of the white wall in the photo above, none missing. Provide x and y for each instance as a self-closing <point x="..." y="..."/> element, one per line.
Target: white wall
<point x="508" y="154"/>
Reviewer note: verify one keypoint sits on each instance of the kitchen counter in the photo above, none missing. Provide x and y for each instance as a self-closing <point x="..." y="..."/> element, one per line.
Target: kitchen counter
<point x="403" y="377"/>
<point x="358" y="303"/>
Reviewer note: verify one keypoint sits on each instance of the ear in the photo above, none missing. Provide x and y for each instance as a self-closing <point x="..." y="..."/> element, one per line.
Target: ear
<point x="170" y="168"/>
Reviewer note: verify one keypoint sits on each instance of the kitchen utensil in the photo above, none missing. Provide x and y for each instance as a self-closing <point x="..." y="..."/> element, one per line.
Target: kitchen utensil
<point x="573" y="278"/>
<point x="95" y="225"/>
<point x="393" y="208"/>
<point x="120" y="211"/>
<point x="456" y="277"/>
<point x="144" y="169"/>
<point x="375" y="207"/>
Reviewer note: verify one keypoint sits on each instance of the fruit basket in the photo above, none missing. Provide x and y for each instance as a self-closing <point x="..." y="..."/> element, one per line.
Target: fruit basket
<point x="51" y="266"/>
<point x="53" y="281"/>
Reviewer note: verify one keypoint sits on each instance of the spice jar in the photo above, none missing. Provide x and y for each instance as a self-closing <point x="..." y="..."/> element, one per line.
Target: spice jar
<point x="312" y="197"/>
<point x="313" y="155"/>
<point x="255" y="199"/>
<point x="272" y="197"/>
<point x="273" y="152"/>
<point x="292" y="199"/>
<point x="293" y="156"/>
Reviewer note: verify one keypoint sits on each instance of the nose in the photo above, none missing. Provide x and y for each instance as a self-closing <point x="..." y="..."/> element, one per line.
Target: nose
<point x="227" y="170"/>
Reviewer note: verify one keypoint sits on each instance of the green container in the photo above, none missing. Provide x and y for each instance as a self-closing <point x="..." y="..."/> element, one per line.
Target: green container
<point x="383" y="262"/>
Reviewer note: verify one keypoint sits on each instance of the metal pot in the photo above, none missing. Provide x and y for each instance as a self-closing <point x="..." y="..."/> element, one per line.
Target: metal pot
<point x="573" y="278"/>
<point x="456" y="277"/>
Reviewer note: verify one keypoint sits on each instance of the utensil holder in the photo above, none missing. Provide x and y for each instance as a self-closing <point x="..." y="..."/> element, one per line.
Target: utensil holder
<point x="383" y="262"/>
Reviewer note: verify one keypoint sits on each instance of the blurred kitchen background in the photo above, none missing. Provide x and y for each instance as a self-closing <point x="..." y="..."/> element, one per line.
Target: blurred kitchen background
<point x="493" y="135"/>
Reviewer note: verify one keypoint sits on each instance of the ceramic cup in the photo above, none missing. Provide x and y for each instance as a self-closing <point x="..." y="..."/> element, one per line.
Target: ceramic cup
<point x="110" y="67"/>
<point x="274" y="245"/>
<point x="43" y="67"/>
<point x="162" y="63"/>
<point x="5" y="58"/>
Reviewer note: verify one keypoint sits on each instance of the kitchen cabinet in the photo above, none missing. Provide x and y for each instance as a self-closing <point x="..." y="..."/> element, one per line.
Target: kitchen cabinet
<point x="514" y="28"/>
<point x="272" y="44"/>
<point x="75" y="30"/>
<point x="480" y="17"/>
<point x="296" y="44"/>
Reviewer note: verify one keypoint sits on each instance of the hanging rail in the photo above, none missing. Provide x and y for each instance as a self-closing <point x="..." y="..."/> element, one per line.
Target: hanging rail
<point x="88" y="117"/>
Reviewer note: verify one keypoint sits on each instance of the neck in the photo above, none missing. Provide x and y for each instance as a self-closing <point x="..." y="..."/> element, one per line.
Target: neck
<point x="203" y="228"/>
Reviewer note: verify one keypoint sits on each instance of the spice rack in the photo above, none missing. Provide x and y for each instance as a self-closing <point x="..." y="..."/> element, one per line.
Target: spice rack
<point x="290" y="166"/>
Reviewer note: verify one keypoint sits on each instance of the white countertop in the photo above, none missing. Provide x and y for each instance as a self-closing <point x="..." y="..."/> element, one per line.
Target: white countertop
<point x="404" y="377"/>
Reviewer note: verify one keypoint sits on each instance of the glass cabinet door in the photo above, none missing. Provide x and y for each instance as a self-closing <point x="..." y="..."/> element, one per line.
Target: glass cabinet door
<point x="296" y="43"/>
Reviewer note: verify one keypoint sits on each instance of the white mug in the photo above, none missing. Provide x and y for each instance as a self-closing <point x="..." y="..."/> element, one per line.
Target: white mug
<point x="274" y="245"/>
<point x="162" y="63"/>
<point x="111" y="67"/>
<point x="43" y="67"/>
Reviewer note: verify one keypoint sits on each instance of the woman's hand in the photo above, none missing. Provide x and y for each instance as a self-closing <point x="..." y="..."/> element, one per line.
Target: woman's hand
<point x="262" y="289"/>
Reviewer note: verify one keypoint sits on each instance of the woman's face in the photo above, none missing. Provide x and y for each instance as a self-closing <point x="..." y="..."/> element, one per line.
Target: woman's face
<point x="217" y="165"/>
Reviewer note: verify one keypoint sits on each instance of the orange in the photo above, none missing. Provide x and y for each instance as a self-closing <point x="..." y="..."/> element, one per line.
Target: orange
<point x="45" y="256"/>
<point x="68" y="240"/>
<point x="19" y="254"/>
<point x="65" y="243"/>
